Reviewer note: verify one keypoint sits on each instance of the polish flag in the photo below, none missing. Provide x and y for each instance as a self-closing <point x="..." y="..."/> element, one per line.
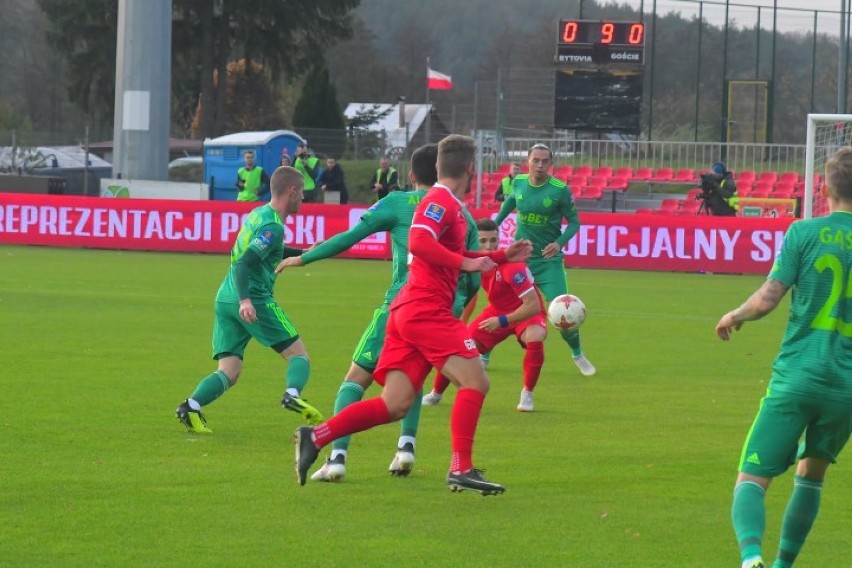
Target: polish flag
<point x="438" y="81"/>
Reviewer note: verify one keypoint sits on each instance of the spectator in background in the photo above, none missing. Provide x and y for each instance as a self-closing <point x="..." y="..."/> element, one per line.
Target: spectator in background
<point x="251" y="179"/>
<point x="332" y="180"/>
<point x="505" y="189"/>
<point x="285" y="160"/>
<point x="719" y="191"/>
<point x="308" y="165"/>
<point x="385" y="179"/>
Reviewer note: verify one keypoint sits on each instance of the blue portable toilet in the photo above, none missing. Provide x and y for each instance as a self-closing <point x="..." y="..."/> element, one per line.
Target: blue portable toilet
<point x="223" y="156"/>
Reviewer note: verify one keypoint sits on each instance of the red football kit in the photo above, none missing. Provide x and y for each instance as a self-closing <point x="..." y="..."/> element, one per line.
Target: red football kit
<point x="421" y="331"/>
<point x="505" y="286"/>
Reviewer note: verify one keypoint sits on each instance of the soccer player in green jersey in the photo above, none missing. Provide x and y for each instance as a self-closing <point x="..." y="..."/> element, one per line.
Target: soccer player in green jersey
<point x="246" y="308"/>
<point x="542" y="201"/>
<point x="805" y="413"/>
<point x="393" y="213"/>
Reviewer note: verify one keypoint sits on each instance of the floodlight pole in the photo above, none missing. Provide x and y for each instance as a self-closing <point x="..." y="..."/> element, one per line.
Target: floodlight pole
<point x="143" y="73"/>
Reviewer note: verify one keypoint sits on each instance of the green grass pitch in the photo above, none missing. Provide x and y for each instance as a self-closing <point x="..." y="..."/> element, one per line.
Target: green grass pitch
<point x="634" y="467"/>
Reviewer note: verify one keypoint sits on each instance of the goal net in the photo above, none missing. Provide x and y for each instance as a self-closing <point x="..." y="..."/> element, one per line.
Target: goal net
<point x="827" y="133"/>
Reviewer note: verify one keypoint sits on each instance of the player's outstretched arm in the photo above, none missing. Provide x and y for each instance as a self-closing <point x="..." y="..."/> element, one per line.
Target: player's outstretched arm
<point x="337" y="244"/>
<point x="763" y="301"/>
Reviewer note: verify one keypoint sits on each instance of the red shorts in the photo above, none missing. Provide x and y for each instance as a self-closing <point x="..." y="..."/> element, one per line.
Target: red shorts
<point x="418" y="339"/>
<point x="489" y="339"/>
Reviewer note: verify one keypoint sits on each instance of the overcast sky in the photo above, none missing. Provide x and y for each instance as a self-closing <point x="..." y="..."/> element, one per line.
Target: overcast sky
<point x="792" y="14"/>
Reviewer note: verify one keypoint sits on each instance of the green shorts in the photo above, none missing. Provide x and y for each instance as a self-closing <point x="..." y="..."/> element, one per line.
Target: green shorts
<point x="549" y="278"/>
<point x="231" y="334"/>
<point x="790" y="426"/>
<point x="369" y="347"/>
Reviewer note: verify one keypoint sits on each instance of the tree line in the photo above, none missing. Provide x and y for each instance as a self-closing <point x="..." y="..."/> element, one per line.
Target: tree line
<point x="290" y="63"/>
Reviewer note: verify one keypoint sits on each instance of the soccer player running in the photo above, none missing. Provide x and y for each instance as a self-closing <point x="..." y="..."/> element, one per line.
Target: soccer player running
<point x="514" y="308"/>
<point x="422" y="332"/>
<point x="809" y="399"/>
<point x="245" y="307"/>
<point x="542" y="201"/>
<point x="393" y="214"/>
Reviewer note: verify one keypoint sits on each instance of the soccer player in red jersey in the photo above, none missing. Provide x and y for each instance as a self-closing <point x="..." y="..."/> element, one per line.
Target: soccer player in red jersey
<point x="422" y="332"/>
<point x="515" y="307"/>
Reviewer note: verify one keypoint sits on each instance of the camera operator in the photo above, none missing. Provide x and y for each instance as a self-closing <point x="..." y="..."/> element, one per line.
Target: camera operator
<point x="719" y="191"/>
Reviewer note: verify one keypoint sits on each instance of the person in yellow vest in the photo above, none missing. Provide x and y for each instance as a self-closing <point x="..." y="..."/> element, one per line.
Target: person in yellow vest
<point x="308" y="164"/>
<point x="505" y="189"/>
<point x="252" y="181"/>
<point x="385" y="180"/>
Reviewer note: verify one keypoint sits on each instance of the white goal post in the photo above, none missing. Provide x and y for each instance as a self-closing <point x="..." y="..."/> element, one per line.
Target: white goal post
<point x="826" y="134"/>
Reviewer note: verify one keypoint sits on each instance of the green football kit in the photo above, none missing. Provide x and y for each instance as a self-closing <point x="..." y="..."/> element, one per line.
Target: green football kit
<point x="263" y="234"/>
<point x="540" y="210"/>
<point x="810" y="391"/>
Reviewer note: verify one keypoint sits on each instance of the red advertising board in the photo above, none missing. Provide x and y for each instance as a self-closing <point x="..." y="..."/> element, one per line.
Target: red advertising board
<point x="637" y="242"/>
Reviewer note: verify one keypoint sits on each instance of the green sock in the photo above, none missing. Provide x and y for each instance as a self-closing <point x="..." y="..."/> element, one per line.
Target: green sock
<point x="799" y="517"/>
<point x="409" y="423"/>
<point x="572" y="338"/>
<point x="298" y="372"/>
<point x="211" y="387"/>
<point x="348" y="393"/>
<point x="748" y="513"/>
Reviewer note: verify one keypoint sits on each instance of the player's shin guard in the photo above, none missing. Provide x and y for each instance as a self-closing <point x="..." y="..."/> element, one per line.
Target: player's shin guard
<point x="441" y="383"/>
<point x="354" y="418"/>
<point x="211" y="387"/>
<point x="411" y="420"/>
<point x="348" y="393"/>
<point x="298" y="372"/>
<point x="799" y="517"/>
<point x="572" y="338"/>
<point x="533" y="361"/>
<point x="748" y="514"/>
<point x="463" y="422"/>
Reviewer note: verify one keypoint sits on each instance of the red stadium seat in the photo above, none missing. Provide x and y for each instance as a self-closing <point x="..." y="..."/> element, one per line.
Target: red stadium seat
<point x="768" y="176"/>
<point x="624" y="171"/>
<point x="563" y="172"/>
<point x="667" y="207"/>
<point x="577" y="180"/>
<point x="618" y="183"/>
<point x="685" y="174"/>
<point x="664" y="174"/>
<point x="592" y="192"/>
<point x="693" y="193"/>
<point x="745" y="175"/>
<point x="503" y="169"/>
<point x="604" y="172"/>
<point x="644" y="211"/>
<point x="584" y="170"/>
<point x="762" y="185"/>
<point x="789" y="177"/>
<point x="576" y="191"/>
<point x="596" y="180"/>
<point x="689" y="206"/>
<point x="643" y="174"/>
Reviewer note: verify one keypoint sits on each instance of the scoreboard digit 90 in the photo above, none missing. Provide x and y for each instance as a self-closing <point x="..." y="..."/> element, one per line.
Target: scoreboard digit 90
<point x="600" y="42"/>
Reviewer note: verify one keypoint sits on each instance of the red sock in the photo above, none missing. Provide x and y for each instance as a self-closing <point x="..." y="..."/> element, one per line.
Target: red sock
<point x="354" y="418"/>
<point x="465" y="416"/>
<point x="441" y="383"/>
<point x="533" y="360"/>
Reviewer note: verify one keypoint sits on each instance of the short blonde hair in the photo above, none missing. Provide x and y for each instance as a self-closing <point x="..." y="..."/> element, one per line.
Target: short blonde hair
<point x="285" y="177"/>
<point x="455" y="154"/>
<point x="838" y="174"/>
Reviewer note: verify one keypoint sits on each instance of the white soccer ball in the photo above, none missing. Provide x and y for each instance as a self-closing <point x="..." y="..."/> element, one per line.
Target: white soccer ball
<point x="566" y="312"/>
